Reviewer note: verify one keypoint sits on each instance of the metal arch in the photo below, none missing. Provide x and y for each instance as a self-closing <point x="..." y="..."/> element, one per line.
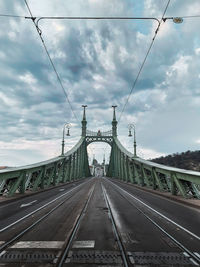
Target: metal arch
<point x="123" y="165"/>
<point x="93" y="139"/>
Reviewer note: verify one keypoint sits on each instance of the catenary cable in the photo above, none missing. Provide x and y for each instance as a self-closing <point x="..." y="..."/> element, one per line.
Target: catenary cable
<point x="51" y="61"/>
<point x="12" y="16"/>
<point x="144" y="61"/>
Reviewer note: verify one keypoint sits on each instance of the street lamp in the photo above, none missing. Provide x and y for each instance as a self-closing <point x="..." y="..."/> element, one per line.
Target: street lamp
<point x="130" y="127"/>
<point x="66" y="125"/>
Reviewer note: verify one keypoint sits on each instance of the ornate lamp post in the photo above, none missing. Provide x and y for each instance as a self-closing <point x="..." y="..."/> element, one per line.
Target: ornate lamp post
<point x="66" y="125"/>
<point x="130" y="127"/>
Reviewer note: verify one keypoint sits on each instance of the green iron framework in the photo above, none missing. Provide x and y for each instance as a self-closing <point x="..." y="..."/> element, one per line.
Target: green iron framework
<point x="72" y="166"/>
<point x="123" y="165"/>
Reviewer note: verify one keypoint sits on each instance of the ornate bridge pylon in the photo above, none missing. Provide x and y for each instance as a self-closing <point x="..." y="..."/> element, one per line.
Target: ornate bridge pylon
<point x="99" y="136"/>
<point x="123" y="165"/>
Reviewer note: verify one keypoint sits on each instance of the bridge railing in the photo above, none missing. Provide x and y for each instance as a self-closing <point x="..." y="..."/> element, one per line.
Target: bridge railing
<point x="124" y="166"/>
<point x="98" y="133"/>
<point x="73" y="165"/>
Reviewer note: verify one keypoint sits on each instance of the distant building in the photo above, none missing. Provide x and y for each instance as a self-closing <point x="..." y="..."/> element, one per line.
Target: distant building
<point x="3" y="167"/>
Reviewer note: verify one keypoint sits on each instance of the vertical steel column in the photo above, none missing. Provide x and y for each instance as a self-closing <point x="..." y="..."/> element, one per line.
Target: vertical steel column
<point x="72" y="167"/>
<point x="127" y="169"/>
<point x="81" y="162"/>
<point x="130" y="174"/>
<point x="78" y="164"/>
<point x="118" y="164"/>
<point x="66" y="172"/>
<point x="124" y="167"/>
<point x="121" y="166"/>
<point x="114" y="160"/>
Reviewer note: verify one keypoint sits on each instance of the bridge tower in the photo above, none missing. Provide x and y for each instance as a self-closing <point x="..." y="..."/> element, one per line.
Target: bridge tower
<point x="84" y="121"/>
<point x="114" y="122"/>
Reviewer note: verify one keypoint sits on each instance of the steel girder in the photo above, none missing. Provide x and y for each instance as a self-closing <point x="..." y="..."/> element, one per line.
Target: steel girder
<point x="73" y="165"/>
<point x="124" y="166"/>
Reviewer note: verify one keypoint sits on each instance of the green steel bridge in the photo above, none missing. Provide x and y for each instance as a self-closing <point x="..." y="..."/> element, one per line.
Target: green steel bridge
<point x="123" y="165"/>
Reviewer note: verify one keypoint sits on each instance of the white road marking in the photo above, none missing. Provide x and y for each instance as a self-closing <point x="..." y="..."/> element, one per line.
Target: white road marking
<point x="2" y="253"/>
<point x="38" y="244"/>
<point x="157" y="212"/>
<point x="194" y="262"/>
<point x="62" y="189"/>
<point x="31" y="213"/>
<point x="28" y="204"/>
<point x="84" y="244"/>
<point x="185" y="254"/>
<point x="197" y="254"/>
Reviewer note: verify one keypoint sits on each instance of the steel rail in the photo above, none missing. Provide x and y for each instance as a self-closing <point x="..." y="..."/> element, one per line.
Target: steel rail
<point x="61" y="260"/>
<point x="27" y="229"/>
<point x="40" y="208"/>
<point x="157" y="212"/>
<point x="194" y="257"/>
<point x="119" y="241"/>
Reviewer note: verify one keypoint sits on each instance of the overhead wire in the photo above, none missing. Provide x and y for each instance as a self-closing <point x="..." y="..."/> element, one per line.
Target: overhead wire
<point x="37" y="19"/>
<point x="51" y="61"/>
<point x="144" y="61"/>
<point x="12" y="16"/>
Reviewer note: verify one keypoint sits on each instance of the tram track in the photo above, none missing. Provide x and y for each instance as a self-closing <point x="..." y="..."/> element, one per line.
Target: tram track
<point x="16" y="237"/>
<point x="40" y="208"/>
<point x="101" y="198"/>
<point x="194" y="257"/>
<point x="156" y="211"/>
<point x="65" y="251"/>
<point x="116" y="232"/>
<point x="62" y="260"/>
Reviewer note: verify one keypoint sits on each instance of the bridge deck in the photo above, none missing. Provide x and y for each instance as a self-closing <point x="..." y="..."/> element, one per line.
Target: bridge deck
<point x="150" y="229"/>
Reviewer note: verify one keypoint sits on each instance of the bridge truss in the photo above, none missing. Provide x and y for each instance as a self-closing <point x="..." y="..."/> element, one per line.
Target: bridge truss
<point x="123" y="165"/>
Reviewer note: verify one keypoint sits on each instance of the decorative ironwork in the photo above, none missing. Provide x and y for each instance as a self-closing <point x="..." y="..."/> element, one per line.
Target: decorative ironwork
<point x="123" y="165"/>
<point x="98" y="133"/>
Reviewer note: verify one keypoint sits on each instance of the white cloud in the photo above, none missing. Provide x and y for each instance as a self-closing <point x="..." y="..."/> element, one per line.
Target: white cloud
<point x="98" y="62"/>
<point x="28" y="78"/>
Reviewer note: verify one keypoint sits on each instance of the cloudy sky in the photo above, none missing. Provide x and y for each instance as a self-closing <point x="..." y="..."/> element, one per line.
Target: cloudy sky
<point x="98" y="62"/>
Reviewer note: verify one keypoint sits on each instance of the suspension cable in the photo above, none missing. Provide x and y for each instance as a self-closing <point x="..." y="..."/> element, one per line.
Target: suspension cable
<point x="51" y="61"/>
<point x="144" y="61"/>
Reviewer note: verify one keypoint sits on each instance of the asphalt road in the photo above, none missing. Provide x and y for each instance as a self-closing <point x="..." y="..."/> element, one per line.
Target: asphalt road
<point x="153" y="231"/>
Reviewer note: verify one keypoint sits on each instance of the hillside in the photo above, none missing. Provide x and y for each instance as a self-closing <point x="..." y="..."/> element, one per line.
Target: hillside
<point x="189" y="160"/>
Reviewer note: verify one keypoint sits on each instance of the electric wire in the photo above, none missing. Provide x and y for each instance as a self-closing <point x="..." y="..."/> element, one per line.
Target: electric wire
<point x="181" y="17"/>
<point x="12" y="16"/>
<point x="95" y="18"/>
<point x="51" y="61"/>
<point x="37" y="19"/>
<point x="143" y="63"/>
